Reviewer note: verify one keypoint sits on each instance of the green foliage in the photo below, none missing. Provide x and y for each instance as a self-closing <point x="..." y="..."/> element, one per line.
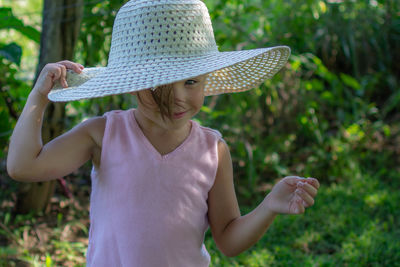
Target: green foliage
<point x="319" y="116"/>
<point x="9" y="21"/>
<point x="96" y="32"/>
<point x="352" y="224"/>
<point x="307" y="121"/>
<point x="358" y="38"/>
<point x="54" y="239"/>
<point x="11" y="52"/>
<point x="13" y="92"/>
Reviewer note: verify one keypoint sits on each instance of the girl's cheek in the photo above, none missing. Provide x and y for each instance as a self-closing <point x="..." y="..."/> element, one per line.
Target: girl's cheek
<point x="198" y="95"/>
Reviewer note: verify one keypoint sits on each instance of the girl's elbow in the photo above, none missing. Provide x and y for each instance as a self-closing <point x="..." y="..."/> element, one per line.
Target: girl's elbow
<point x="20" y="174"/>
<point x="27" y="177"/>
<point x="16" y="175"/>
<point x="228" y="250"/>
<point x="230" y="253"/>
<point x="12" y="170"/>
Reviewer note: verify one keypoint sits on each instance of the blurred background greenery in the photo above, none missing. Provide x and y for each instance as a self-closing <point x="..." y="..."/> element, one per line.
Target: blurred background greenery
<point x="332" y="113"/>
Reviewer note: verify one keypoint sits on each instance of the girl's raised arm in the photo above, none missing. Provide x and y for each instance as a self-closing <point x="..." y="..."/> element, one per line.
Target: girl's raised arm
<point x="28" y="160"/>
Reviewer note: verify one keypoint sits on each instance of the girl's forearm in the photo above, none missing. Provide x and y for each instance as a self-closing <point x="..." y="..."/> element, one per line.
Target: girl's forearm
<point x="26" y="139"/>
<point x="243" y="232"/>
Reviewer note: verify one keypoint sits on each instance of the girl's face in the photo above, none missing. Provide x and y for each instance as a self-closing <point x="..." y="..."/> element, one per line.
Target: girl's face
<point x="188" y="98"/>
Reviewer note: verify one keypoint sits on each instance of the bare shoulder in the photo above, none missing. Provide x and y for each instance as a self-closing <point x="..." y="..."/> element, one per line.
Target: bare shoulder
<point x="224" y="157"/>
<point x="95" y="128"/>
<point x="223" y="148"/>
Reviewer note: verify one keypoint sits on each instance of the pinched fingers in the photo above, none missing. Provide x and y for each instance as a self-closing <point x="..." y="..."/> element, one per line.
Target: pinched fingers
<point x="61" y="73"/>
<point x="293" y="180"/>
<point x="312" y="181"/>
<point x="71" y="65"/>
<point x="63" y="66"/>
<point x="53" y="72"/>
<point x="307" y="189"/>
<point x="296" y="205"/>
<point x="307" y="199"/>
<point x="58" y="70"/>
<point x="311" y="190"/>
<point x="304" y="189"/>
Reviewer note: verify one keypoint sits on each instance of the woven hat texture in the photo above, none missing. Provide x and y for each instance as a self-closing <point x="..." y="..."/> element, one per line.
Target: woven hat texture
<point x="157" y="42"/>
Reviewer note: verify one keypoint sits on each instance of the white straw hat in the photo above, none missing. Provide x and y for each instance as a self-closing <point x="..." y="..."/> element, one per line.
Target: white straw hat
<point x="157" y="42"/>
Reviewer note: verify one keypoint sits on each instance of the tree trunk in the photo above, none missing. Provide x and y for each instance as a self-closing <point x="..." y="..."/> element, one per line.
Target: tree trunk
<point x="60" y="29"/>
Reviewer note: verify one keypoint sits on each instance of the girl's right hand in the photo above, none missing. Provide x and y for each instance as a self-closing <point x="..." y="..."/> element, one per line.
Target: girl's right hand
<point x="52" y="72"/>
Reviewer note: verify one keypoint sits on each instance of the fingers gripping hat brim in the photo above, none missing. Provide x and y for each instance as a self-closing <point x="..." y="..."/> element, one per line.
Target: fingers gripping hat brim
<point x="228" y="72"/>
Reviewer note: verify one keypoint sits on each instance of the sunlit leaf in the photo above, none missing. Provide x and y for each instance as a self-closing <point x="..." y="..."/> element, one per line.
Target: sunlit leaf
<point x="49" y="262"/>
<point x="9" y="21"/>
<point x="350" y="81"/>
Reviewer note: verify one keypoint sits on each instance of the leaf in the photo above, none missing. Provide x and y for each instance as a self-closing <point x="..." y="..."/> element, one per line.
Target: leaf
<point x="9" y="21"/>
<point x="7" y="18"/>
<point x="5" y="12"/>
<point x="350" y="81"/>
<point x="12" y="52"/>
<point x="29" y="32"/>
<point x="49" y="262"/>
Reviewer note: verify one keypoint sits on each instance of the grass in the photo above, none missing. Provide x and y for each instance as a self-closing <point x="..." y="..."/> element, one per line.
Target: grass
<point x="354" y="223"/>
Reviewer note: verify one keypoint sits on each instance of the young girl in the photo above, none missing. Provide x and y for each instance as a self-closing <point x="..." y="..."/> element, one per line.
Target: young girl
<point x="159" y="179"/>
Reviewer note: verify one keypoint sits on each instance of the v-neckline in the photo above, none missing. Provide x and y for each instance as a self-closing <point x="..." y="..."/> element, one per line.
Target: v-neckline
<point x="151" y="147"/>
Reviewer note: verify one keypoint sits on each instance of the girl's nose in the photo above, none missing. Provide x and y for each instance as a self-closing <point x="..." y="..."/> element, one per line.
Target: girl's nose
<point x="179" y="92"/>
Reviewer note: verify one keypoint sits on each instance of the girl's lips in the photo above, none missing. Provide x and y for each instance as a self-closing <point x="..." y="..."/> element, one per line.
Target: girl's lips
<point x="178" y="115"/>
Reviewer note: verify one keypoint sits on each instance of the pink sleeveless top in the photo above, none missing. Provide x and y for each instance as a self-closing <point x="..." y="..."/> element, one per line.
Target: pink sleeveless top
<point x="149" y="209"/>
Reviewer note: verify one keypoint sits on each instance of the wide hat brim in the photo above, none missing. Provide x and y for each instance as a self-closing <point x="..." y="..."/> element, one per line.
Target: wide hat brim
<point x="228" y="72"/>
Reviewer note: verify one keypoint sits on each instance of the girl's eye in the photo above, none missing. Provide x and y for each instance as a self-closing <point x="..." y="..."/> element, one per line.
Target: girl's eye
<point x="190" y="82"/>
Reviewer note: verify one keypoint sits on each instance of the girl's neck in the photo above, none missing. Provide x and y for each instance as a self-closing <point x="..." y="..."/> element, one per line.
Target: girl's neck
<point x="164" y="139"/>
<point x="160" y="128"/>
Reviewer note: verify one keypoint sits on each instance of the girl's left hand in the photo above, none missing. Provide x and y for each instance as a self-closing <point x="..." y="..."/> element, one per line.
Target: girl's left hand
<point x="292" y="195"/>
